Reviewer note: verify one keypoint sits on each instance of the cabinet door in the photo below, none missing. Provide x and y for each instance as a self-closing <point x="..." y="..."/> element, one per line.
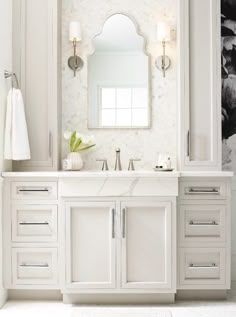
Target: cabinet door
<point x="200" y="85"/>
<point x="147" y="256"/>
<point x="35" y="59"/>
<point x="90" y="244"/>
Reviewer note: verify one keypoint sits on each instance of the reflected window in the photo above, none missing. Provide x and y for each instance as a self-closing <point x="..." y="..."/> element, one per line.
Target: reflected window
<point x="123" y="107"/>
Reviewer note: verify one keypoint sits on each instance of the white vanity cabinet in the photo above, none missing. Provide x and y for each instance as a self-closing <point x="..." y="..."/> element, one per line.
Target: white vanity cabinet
<point x="199" y="42"/>
<point x="120" y="237"/>
<point x="120" y="245"/>
<point x="204" y="235"/>
<point x="120" y="234"/>
<point x="31" y="234"/>
<point x="36" y="62"/>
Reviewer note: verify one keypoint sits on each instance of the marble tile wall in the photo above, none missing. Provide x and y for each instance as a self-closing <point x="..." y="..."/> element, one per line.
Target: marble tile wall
<point x="138" y="143"/>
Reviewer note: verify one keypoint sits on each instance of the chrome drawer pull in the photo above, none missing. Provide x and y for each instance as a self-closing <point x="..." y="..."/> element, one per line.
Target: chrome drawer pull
<point x="50" y="144"/>
<point x="25" y="190"/>
<point x="24" y="223"/>
<point x="123" y="222"/>
<point x="113" y="223"/>
<point x="205" y="266"/>
<point x="195" y="190"/>
<point x="44" y="265"/>
<point x="188" y="144"/>
<point x="206" y="223"/>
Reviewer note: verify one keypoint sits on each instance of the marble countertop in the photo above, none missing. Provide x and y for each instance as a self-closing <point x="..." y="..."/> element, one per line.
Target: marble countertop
<point x="138" y="173"/>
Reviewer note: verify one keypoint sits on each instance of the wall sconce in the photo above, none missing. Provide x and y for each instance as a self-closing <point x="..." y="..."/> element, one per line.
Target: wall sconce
<point x="75" y="62"/>
<point x="163" y="35"/>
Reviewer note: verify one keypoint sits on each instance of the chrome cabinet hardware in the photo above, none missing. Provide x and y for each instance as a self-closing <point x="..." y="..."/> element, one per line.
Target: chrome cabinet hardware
<point x="123" y="222"/>
<point x="25" y="223"/>
<point x="50" y="144"/>
<point x="113" y="223"/>
<point x="8" y="74"/>
<point x="131" y="164"/>
<point x="26" y="190"/>
<point x="199" y="190"/>
<point x="33" y="265"/>
<point x="104" y="164"/>
<point x="203" y="223"/>
<point x="188" y="143"/>
<point x="118" y="162"/>
<point x="203" y="266"/>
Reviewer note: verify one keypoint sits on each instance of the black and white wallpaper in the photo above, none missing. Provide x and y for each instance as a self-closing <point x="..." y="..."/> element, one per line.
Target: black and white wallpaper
<point x="228" y="55"/>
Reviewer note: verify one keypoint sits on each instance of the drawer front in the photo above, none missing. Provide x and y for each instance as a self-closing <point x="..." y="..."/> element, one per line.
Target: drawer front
<point x="34" y="190"/>
<point x="202" y="266"/>
<point x="203" y="190"/>
<point x="202" y="223"/>
<point x="34" y="223"/>
<point x="34" y="266"/>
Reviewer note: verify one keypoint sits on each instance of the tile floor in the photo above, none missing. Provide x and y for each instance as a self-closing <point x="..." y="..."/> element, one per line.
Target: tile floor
<point x="179" y="309"/>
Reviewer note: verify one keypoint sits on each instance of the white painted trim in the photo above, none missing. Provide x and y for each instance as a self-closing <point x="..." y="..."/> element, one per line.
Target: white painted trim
<point x="3" y="292"/>
<point x="3" y="297"/>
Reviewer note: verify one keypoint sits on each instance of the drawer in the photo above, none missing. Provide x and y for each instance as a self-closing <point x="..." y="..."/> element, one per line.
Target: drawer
<point x="34" y="223"/>
<point x="202" y="223"/>
<point x="203" y="190"/>
<point x="34" y="190"/>
<point x="34" y="266"/>
<point x="202" y="266"/>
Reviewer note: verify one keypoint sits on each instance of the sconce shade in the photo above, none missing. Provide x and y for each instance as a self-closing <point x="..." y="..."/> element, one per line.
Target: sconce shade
<point x="75" y="31"/>
<point x="163" y="32"/>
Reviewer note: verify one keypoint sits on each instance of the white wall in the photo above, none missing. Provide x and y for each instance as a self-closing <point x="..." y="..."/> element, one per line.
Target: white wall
<point x="233" y="225"/>
<point x="5" y="63"/>
<point x="141" y="143"/>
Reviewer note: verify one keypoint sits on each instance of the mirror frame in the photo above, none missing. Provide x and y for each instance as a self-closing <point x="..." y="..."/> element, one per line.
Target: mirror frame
<point x="149" y="126"/>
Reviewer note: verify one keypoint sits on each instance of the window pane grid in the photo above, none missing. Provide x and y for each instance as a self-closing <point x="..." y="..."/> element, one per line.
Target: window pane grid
<point x="113" y="113"/>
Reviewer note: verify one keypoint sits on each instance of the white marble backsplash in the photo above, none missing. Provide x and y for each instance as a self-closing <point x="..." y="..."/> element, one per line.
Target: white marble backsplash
<point x="138" y="143"/>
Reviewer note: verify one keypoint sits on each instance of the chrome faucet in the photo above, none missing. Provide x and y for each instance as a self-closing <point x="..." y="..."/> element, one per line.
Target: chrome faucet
<point x="118" y="163"/>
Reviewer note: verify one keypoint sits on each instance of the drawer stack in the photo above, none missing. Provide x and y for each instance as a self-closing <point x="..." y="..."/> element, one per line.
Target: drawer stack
<point x="31" y="234"/>
<point x="203" y="241"/>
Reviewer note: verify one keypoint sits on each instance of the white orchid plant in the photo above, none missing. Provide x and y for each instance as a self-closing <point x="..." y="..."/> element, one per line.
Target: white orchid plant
<point x="78" y="142"/>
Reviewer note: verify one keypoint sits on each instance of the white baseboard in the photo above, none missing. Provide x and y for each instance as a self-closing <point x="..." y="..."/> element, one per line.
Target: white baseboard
<point x="22" y="294"/>
<point x="3" y="297"/>
<point x="233" y="286"/>
<point x="233" y="267"/>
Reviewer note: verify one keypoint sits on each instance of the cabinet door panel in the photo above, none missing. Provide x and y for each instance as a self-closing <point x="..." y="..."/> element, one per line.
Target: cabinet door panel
<point x="146" y="244"/>
<point x="90" y="245"/>
<point x="34" y="266"/>
<point x="35" y="62"/>
<point x="201" y="223"/>
<point x="200" y="101"/>
<point x="202" y="268"/>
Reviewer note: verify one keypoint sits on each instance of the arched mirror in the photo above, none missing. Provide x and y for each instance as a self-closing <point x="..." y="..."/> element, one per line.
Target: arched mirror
<point x="118" y="77"/>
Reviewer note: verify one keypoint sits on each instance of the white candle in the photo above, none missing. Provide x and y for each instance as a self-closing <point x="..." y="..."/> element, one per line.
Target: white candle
<point x="75" y="31"/>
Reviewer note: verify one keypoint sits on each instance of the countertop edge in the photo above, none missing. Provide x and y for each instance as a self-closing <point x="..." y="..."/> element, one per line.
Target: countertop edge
<point x="135" y="174"/>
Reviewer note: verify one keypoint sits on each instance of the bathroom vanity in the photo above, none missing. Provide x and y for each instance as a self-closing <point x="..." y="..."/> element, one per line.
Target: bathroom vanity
<point x="120" y="237"/>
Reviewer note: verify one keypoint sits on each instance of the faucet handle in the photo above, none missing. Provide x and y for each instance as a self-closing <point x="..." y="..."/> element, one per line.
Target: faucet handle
<point x="131" y="164"/>
<point x="104" y="164"/>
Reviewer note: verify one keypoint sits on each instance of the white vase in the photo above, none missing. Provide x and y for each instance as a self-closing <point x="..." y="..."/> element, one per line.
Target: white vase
<point x="76" y="161"/>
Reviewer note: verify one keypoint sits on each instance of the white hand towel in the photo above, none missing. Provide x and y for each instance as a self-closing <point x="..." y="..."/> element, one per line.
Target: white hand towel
<point x="8" y="128"/>
<point x="16" y="134"/>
